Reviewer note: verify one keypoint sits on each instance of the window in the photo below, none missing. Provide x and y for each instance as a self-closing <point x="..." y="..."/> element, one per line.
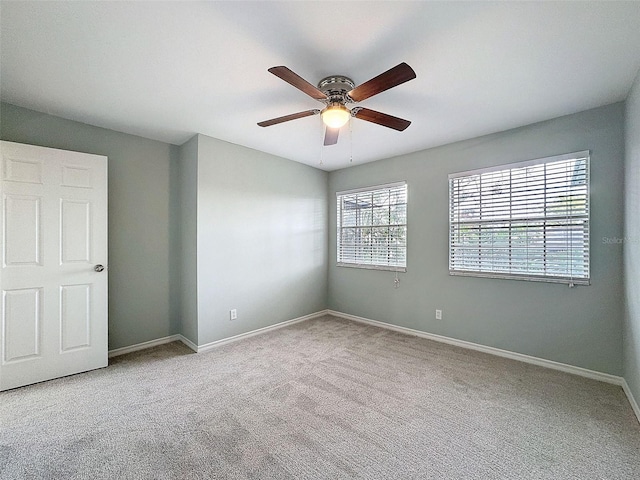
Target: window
<point x="372" y="227"/>
<point x="527" y="220"/>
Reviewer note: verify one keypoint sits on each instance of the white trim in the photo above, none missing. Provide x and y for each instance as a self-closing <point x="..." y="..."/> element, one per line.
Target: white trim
<point x="218" y="343"/>
<point x="632" y="400"/>
<point x="188" y="343"/>
<point x="563" y="367"/>
<point x="502" y="216"/>
<point x="360" y="261"/>
<point x="387" y="268"/>
<point x="541" y="362"/>
<point x="529" y="278"/>
<point x="526" y="163"/>
<point x="145" y="345"/>
<point x="372" y="187"/>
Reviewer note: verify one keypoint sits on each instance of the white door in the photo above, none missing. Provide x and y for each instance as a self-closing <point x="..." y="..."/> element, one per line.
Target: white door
<point x="54" y="234"/>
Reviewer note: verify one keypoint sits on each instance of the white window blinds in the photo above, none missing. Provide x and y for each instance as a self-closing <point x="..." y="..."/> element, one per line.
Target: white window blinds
<point x="372" y="227"/>
<point x="527" y="220"/>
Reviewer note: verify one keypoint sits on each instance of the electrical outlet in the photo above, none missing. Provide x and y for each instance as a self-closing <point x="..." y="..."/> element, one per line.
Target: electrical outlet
<point x="233" y="314"/>
<point x="438" y="314"/>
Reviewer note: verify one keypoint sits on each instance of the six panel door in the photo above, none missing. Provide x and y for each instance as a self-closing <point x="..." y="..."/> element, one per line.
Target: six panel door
<point x="53" y="318"/>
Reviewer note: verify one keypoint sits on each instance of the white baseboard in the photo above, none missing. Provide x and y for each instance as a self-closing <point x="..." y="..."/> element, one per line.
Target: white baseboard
<point x="563" y="367"/>
<point x="188" y="343"/>
<point x="630" y="397"/>
<point x="144" y="345"/>
<point x="217" y="343"/>
<point x="541" y="362"/>
<point x="259" y="331"/>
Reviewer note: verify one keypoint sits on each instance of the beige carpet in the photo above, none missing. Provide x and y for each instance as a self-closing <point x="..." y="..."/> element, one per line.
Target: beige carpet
<point x="323" y="399"/>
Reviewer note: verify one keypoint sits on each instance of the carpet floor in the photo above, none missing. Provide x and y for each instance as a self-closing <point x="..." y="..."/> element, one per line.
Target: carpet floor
<point x="322" y="399"/>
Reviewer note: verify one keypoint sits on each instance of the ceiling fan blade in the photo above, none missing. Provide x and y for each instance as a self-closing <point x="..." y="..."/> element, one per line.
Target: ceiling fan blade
<point x="331" y="136"/>
<point x="286" y="118"/>
<point x="297" y="81"/>
<point x="393" y="77"/>
<point x="381" y="119"/>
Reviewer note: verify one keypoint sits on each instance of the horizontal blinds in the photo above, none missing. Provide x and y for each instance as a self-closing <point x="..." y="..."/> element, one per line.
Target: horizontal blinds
<point x="372" y="226"/>
<point x="527" y="221"/>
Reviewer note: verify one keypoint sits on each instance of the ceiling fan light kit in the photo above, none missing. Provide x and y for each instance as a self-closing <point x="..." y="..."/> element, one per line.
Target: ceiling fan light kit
<point x="336" y="91"/>
<point x="335" y="115"/>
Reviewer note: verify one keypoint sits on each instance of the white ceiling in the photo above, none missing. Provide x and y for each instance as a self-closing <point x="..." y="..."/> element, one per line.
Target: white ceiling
<point x="168" y="70"/>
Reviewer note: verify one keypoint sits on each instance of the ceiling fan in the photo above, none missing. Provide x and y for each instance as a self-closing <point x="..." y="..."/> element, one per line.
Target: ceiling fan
<point x="336" y="91"/>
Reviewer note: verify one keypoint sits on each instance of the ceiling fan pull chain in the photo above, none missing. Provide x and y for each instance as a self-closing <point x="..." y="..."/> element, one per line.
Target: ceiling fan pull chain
<point x="351" y="139"/>
<point x="321" y="148"/>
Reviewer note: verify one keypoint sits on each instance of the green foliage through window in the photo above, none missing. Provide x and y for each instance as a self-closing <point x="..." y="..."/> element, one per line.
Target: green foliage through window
<point x="372" y="227"/>
<point x="528" y="220"/>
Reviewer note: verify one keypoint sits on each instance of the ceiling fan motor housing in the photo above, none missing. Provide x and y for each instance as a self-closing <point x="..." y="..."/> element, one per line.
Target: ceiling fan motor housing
<point x="335" y="87"/>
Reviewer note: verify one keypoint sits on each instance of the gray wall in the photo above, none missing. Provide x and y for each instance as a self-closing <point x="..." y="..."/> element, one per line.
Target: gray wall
<point x="580" y="326"/>
<point x="262" y="239"/>
<point x="186" y="221"/>
<point x="139" y="225"/>
<point x="631" y="346"/>
<point x="199" y="229"/>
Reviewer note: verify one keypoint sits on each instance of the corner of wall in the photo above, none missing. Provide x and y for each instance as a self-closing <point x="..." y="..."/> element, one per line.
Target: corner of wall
<point x="184" y="247"/>
<point x="174" y="240"/>
<point x="631" y="244"/>
<point x="261" y="239"/>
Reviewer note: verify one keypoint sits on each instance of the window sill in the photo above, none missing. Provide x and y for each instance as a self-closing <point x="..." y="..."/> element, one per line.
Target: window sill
<point x="529" y="278"/>
<point x="373" y="267"/>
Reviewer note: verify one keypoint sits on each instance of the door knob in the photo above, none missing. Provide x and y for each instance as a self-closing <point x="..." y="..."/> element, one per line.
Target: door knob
<point x="99" y="268"/>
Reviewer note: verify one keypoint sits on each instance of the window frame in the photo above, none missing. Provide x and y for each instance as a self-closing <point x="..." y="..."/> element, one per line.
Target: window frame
<point x="528" y="276"/>
<point x="339" y="220"/>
